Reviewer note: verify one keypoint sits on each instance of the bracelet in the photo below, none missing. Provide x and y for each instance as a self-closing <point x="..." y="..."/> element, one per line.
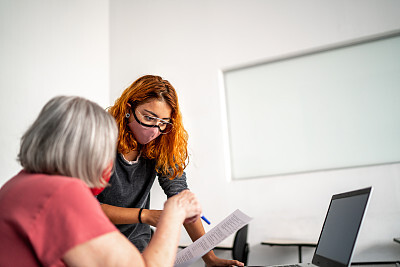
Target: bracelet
<point x="140" y="215"/>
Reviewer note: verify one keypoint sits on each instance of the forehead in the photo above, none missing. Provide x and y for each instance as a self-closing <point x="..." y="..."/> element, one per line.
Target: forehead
<point x="160" y="108"/>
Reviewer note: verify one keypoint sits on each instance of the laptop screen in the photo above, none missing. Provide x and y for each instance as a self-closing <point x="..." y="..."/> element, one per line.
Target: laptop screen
<point x="341" y="227"/>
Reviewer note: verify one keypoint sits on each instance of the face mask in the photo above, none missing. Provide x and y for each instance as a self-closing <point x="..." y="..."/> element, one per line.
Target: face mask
<point x="106" y="177"/>
<point x="143" y="134"/>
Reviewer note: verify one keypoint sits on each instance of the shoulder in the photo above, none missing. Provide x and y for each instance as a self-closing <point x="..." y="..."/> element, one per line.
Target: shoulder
<point x="66" y="188"/>
<point x="39" y="187"/>
<point x="46" y="194"/>
<point x="70" y="203"/>
<point x="40" y="179"/>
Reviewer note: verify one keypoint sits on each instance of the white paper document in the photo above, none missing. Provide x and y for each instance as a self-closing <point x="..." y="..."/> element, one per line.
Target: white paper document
<point x="212" y="238"/>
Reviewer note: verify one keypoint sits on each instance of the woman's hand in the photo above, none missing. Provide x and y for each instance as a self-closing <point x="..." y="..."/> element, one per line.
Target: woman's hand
<point x="185" y="204"/>
<point x="211" y="260"/>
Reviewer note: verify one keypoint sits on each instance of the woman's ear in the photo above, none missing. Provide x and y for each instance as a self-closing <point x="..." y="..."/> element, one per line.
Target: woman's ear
<point x="128" y="109"/>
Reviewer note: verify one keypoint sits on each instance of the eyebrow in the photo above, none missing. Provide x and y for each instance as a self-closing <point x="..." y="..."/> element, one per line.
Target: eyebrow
<point x="155" y="115"/>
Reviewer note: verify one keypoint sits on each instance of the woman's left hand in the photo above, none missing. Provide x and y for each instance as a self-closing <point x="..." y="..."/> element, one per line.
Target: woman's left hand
<point x="212" y="261"/>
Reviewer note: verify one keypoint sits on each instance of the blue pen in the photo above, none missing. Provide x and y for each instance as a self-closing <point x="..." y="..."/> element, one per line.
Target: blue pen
<point x="205" y="219"/>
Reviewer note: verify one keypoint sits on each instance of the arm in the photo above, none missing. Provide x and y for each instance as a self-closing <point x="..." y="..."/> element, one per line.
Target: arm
<point x="113" y="249"/>
<point x="168" y="230"/>
<point x="119" y="215"/>
<point x="195" y="231"/>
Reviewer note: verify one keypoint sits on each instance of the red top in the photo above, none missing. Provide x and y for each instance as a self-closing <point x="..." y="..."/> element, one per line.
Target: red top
<point x="43" y="216"/>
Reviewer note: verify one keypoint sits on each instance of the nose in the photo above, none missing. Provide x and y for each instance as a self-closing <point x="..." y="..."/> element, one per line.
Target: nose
<point x="159" y="127"/>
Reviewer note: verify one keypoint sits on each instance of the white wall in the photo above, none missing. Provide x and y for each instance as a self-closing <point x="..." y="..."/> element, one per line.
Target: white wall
<point x="53" y="47"/>
<point x="189" y="42"/>
<point x="48" y="48"/>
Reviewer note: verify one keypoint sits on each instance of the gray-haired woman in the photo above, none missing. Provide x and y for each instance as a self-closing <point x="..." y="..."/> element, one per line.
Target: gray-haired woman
<point x="48" y="215"/>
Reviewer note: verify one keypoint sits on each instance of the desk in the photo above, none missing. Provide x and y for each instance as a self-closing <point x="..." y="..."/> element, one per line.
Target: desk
<point x="396" y="239"/>
<point x="358" y="264"/>
<point x="290" y="243"/>
<point x="377" y="264"/>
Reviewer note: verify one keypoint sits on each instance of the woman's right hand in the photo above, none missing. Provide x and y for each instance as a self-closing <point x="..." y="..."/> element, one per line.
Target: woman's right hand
<point x="186" y="204"/>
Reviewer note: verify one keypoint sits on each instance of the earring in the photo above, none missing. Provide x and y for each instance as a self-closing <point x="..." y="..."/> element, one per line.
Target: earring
<point x="127" y="115"/>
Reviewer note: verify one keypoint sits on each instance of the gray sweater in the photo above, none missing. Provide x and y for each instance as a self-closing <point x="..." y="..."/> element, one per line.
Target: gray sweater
<point x="130" y="188"/>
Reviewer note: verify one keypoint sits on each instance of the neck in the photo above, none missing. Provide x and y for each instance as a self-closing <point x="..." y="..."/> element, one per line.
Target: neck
<point x="131" y="155"/>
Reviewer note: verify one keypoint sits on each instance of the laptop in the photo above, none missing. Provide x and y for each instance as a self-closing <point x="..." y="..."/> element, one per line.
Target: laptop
<point x="340" y="230"/>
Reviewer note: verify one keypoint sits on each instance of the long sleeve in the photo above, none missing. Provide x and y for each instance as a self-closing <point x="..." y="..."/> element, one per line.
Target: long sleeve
<point x="173" y="187"/>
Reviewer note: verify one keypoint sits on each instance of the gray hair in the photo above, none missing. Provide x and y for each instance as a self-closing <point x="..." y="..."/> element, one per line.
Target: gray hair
<point x="73" y="137"/>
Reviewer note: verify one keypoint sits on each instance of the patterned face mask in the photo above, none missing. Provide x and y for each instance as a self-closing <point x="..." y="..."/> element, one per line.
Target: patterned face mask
<point x="142" y="133"/>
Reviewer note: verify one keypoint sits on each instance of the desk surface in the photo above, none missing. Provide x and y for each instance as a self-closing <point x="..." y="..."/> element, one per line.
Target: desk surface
<point x="291" y="243"/>
<point x="283" y="242"/>
<point x="359" y="264"/>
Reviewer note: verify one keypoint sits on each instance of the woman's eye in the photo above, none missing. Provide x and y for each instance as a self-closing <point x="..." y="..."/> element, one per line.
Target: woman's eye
<point x="148" y="118"/>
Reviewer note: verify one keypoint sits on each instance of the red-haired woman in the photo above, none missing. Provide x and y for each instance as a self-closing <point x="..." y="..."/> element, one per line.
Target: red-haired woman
<point x="151" y="142"/>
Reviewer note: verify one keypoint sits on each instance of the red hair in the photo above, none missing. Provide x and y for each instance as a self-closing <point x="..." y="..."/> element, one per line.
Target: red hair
<point x="169" y="150"/>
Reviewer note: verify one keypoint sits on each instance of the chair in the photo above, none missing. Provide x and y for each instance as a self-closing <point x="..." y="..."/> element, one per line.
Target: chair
<point x="240" y="248"/>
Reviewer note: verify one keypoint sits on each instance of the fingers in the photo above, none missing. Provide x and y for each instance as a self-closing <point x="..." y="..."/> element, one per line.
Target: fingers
<point x="223" y="262"/>
<point x="192" y="219"/>
<point x="238" y="263"/>
<point x="188" y="202"/>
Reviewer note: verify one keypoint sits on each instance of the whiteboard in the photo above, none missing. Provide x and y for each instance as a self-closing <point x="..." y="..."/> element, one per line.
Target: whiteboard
<point x="328" y="109"/>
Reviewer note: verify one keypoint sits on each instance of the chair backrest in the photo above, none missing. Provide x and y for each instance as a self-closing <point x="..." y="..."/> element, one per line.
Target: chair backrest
<point x="240" y="249"/>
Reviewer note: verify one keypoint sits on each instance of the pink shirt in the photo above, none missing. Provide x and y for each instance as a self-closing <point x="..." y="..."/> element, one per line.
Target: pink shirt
<point x="43" y="216"/>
